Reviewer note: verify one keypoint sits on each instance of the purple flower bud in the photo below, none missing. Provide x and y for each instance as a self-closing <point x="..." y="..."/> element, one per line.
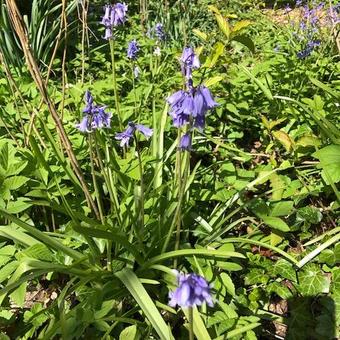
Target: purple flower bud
<point x="193" y="290"/>
<point x="189" y="61"/>
<point x="132" y="50"/>
<point x="185" y="142"/>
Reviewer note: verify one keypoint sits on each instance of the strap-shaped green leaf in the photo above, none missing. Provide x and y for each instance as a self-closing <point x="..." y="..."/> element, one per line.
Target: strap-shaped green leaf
<point x="135" y="287"/>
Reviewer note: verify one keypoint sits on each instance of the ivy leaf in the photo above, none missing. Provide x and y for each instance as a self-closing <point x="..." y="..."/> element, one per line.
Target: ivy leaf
<point x="278" y="288"/>
<point x="335" y="287"/>
<point x="256" y="276"/>
<point x="285" y="270"/>
<point x="313" y="281"/>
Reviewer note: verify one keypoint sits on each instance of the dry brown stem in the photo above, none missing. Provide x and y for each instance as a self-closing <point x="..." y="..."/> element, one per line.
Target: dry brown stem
<point x="19" y="28"/>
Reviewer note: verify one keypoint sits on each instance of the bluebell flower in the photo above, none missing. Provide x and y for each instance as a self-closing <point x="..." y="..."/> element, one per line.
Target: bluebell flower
<point x="193" y="290"/>
<point x="83" y="126"/>
<point x="114" y="15"/>
<point x="132" y="50"/>
<point x="159" y="31"/>
<point x="118" y="14"/>
<point x="192" y="103"/>
<point x="100" y="118"/>
<point x="126" y="135"/>
<point x="94" y="117"/>
<point x="189" y="61"/>
<point x="185" y="142"/>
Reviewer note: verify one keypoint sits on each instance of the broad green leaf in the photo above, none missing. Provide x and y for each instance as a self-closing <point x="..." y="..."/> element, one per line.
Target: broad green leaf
<point x="312" y="281"/>
<point x="212" y="81"/>
<point x="240" y="25"/>
<point x="276" y="223"/>
<point x="14" y="182"/>
<point x="7" y="270"/>
<point x="335" y="286"/>
<point x="256" y="276"/>
<point x="135" y="287"/>
<point x="18" y="296"/>
<point x="200" y="34"/>
<point x="129" y="333"/>
<point x="284" y="139"/>
<point x="21" y="204"/>
<point x="280" y="289"/>
<point x="329" y="158"/>
<point x="285" y="270"/>
<point x="246" y="41"/>
<point x="228" y="283"/>
<point x="282" y="208"/>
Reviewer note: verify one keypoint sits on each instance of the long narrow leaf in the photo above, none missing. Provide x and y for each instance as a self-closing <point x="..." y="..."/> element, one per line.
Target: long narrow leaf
<point x="134" y="286"/>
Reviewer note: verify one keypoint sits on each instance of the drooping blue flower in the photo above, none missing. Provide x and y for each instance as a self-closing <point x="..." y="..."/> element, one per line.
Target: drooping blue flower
<point x="100" y="118"/>
<point x="189" y="61"/>
<point x="114" y="15"/>
<point x="129" y="132"/>
<point x="193" y="103"/>
<point x="94" y="117"/>
<point x="132" y="50"/>
<point x="83" y="126"/>
<point x="118" y="14"/>
<point x="185" y="142"/>
<point x="193" y="290"/>
<point x="159" y="31"/>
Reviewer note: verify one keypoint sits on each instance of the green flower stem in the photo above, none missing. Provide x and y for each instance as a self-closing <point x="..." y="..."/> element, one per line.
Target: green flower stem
<point x="109" y="183"/>
<point x="114" y="78"/>
<point x="191" y="324"/>
<point x="140" y="165"/>
<point x="181" y="180"/>
<point x="133" y="65"/>
<point x="94" y="179"/>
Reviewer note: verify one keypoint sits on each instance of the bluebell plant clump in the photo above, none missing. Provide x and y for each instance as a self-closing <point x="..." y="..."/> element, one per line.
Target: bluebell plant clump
<point x="114" y="16"/>
<point x="193" y="290"/>
<point x="308" y="31"/>
<point x="94" y="117"/>
<point x="125" y="136"/>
